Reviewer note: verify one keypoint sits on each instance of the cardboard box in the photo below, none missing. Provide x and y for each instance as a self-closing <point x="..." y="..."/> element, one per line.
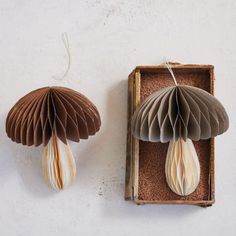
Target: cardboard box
<point x="145" y="164"/>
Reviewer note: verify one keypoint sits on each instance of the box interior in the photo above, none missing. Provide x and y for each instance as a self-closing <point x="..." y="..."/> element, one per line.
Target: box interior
<point x="152" y="184"/>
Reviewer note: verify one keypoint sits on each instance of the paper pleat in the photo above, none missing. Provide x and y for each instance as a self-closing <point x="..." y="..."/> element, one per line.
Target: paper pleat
<point x="44" y="111"/>
<point x="179" y="111"/>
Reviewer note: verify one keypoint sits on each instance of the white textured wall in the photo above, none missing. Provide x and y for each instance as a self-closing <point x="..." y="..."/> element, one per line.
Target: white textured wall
<point x="108" y="39"/>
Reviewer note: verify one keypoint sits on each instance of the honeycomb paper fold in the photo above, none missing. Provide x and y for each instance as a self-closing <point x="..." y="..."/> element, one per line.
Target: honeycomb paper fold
<point x="179" y="111"/>
<point x="51" y="116"/>
<point x="44" y="111"/>
<point x="182" y="167"/>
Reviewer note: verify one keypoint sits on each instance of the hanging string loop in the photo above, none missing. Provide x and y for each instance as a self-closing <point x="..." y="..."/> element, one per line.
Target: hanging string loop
<point x="65" y="40"/>
<point x="168" y="66"/>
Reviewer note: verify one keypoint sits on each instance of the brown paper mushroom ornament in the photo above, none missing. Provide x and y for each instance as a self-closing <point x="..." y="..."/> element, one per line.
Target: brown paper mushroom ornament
<point x="51" y="116"/>
<point x="179" y="114"/>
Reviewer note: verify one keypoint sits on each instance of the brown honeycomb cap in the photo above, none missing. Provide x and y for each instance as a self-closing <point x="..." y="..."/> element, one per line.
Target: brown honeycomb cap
<point x="52" y="110"/>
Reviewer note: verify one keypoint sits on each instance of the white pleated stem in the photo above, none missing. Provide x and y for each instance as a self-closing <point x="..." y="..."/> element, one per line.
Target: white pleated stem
<point x="182" y="167"/>
<point x="58" y="164"/>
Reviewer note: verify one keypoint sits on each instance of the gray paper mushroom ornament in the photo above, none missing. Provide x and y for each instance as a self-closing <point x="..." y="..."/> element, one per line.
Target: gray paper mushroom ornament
<point x="179" y="114"/>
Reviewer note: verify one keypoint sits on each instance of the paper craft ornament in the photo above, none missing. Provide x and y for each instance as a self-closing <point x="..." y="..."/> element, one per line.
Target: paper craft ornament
<point x="179" y="114"/>
<point x="51" y="116"/>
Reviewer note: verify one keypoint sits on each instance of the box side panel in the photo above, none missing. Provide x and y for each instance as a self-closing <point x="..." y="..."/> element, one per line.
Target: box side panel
<point x="132" y="148"/>
<point x="135" y="142"/>
<point x="128" y="173"/>
<point x="212" y="154"/>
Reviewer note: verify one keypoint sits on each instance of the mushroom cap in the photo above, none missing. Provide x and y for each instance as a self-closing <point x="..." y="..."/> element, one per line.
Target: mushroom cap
<point x="179" y="111"/>
<point x="52" y="110"/>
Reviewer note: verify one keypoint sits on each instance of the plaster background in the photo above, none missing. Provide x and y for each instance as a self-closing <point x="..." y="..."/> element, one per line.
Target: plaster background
<point x="107" y="40"/>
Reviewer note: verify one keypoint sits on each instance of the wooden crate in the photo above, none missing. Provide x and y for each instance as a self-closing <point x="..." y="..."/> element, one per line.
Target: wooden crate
<point x="145" y="176"/>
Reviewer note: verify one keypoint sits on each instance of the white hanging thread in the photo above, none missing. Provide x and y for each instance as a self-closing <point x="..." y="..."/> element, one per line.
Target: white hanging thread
<point x="171" y="72"/>
<point x="65" y="40"/>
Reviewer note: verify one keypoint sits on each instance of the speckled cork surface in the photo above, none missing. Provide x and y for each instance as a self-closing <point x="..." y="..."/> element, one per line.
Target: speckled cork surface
<point x="152" y="182"/>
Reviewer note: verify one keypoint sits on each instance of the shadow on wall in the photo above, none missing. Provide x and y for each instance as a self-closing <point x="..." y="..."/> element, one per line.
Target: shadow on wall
<point x="26" y="161"/>
<point x="103" y="159"/>
<point x="101" y="164"/>
<point x="113" y="179"/>
<point x="112" y="187"/>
